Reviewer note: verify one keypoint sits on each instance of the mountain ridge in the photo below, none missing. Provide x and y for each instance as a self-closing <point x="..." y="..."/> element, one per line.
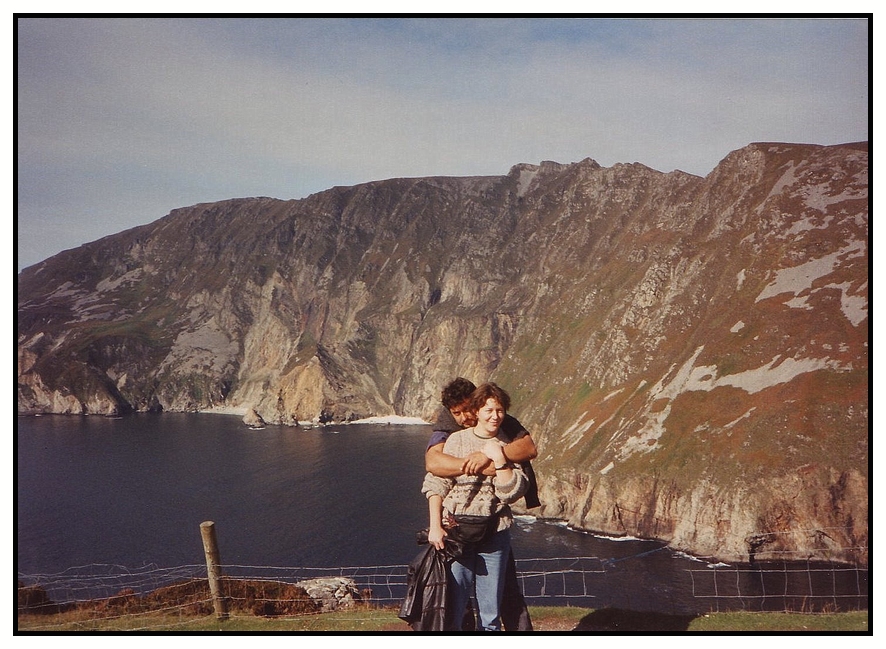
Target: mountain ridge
<point x="683" y="349"/>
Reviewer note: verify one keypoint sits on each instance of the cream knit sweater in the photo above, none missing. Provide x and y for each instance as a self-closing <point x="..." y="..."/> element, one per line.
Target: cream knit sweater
<point x="475" y="495"/>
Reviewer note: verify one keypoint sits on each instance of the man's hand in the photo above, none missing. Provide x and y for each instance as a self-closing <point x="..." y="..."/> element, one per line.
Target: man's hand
<point x="475" y="463"/>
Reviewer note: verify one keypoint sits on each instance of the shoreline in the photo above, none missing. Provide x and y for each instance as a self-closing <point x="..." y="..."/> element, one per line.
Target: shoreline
<point x="231" y="411"/>
<point x="392" y="419"/>
<point x="398" y="420"/>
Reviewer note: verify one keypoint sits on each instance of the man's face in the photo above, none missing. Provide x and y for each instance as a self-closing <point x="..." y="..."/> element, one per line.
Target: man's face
<point x="463" y="416"/>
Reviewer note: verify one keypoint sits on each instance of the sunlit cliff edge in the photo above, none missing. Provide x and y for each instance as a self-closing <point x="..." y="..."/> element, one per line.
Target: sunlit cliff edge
<point x="690" y="354"/>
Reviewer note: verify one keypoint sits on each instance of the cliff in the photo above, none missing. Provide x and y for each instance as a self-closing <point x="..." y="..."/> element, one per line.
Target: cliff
<point x="690" y="354"/>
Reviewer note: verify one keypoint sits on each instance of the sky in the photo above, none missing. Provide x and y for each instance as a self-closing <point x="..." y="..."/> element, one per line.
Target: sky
<point x="121" y="120"/>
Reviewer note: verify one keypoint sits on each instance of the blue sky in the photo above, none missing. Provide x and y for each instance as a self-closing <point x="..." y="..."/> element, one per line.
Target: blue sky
<point x="121" y="120"/>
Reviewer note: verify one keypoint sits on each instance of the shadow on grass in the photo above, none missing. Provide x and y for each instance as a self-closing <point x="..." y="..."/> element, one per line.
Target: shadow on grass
<point x="613" y="619"/>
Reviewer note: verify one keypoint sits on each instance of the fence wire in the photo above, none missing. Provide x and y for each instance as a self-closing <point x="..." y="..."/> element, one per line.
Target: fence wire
<point x="181" y="594"/>
<point x="773" y="586"/>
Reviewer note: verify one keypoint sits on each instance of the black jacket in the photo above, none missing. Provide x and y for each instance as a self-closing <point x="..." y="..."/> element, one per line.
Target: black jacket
<point x="424" y="607"/>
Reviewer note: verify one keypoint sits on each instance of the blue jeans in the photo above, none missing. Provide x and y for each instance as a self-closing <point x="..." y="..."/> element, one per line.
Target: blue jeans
<point x="482" y="569"/>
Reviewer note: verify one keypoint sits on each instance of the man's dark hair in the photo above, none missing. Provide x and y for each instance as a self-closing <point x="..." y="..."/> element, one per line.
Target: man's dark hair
<point x="489" y="391"/>
<point x="457" y="392"/>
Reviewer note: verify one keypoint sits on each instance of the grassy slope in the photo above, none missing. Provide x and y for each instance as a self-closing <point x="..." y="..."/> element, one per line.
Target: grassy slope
<point x="545" y="619"/>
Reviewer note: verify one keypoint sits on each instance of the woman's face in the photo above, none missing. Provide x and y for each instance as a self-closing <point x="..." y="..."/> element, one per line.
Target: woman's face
<point x="490" y="416"/>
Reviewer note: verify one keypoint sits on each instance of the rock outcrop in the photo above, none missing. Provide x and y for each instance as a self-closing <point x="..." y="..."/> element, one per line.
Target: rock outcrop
<point x="253" y="419"/>
<point x="690" y="354"/>
<point x="332" y="593"/>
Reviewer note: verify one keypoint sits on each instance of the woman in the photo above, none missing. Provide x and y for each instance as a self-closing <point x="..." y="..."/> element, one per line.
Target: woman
<point x="474" y="509"/>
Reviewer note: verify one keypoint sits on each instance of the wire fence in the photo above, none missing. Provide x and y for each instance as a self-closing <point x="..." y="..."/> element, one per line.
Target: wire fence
<point x="549" y="578"/>
<point x="777" y="586"/>
<point x="657" y="580"/>
<point x="158" y="598"/>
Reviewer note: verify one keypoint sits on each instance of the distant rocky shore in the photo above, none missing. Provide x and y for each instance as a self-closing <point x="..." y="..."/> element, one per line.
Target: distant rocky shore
<point x="252" y="419"/>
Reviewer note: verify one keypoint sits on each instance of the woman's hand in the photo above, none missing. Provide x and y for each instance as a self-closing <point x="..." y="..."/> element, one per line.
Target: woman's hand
<point x="494" y="450"/>
<point x="436" y="535"/>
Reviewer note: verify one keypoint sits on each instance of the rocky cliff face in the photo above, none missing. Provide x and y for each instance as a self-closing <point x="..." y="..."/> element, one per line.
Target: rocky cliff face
<point x="690" y="354"/>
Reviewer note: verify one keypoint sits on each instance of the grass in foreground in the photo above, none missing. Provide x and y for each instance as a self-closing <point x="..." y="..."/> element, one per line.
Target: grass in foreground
<point x="545" y="618"/>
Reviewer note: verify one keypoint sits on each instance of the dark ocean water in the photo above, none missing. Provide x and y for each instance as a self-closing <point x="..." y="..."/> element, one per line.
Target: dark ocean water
<point x="132" y="492"/>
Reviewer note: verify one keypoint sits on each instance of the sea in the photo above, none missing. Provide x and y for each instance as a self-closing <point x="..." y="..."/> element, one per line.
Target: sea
<point x="127" y="494"/>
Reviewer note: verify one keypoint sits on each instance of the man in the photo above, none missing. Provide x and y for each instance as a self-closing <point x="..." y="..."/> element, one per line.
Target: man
<point x="455" y="415"/>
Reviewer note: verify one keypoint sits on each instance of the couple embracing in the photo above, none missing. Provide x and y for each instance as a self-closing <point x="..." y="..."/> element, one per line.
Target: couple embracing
<point x="478" y="465"/>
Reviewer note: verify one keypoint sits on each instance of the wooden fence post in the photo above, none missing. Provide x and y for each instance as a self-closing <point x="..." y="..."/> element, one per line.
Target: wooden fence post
<point x="213" y="569"/>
